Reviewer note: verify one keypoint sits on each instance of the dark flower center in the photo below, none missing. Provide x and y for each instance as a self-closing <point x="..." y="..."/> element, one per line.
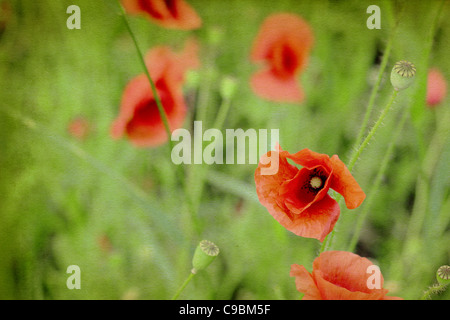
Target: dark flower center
<point x="315" y="181"/>
<point x="150" y="9"/>
<point x="284" y="59"/>
<point x="146" y="113"/>
<point x="172" y="7"/>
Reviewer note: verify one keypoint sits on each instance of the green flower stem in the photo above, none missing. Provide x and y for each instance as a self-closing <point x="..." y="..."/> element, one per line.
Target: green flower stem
<point x="372" y="132"/>
<point x="420" y="95"/>
<point x="370" y="198"/>
<point x="195" y="174"/>
<point x="203" y="98"/>
<point x="152" y="84"/>
<point x="200" y="172"/>
<point x="207" y="73"/>
<point x="375" y="89"/>
<point x="328" y="240"/>
<point x="222" y="114"/>
<point x="179" y="172"/>
<point x="185" y="283"/>
<point x="430" y="162"/>
<point x="358" y="145"/>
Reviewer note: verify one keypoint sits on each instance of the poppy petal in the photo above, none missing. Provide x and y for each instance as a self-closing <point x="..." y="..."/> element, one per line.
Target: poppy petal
<point x="158" y="60"/>
<point x="391" y="298"/>
<point x="338" y="275"/>
<point x="267" y="85"/>
<point x="298" y="196"/>
<point x="298" y="200"/>
<point x="282" y="44"/>
<point x="317" y="221"/>
<point x="267" y="186"/>
<point x="139" y="117"/>
<point x="163" y="62"/>
<point x="188" y="19"/>
<point x="131" y="6"/>
<point x="174" y="14"/>
<point x="310" y="159"/>
<point x="278" y="26"/>
<point x="135" y="90"/>
<point x="344" y="183"/>
<point x="330" y="291"/>
<point x="304" y="282"/>
<point x="345" y="269"/>
<point x="342" y="275"/>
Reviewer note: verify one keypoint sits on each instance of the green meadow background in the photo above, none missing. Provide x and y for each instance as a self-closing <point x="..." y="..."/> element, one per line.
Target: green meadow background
<point x="131" y="219"/>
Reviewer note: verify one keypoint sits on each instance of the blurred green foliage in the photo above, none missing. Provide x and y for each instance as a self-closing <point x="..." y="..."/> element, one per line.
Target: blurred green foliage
<point x="120" y="213"/>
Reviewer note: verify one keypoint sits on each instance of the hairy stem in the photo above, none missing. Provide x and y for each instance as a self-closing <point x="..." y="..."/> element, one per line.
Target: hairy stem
<point x="433" y="290"/>
<point x="370" y="198"/>
<point x="328" y="240"/>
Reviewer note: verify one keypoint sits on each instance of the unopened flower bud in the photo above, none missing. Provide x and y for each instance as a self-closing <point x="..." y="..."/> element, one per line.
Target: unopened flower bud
<point x="228" y="87"/>
<point x="205" y="253"/>
<point x="215" y="35"/>
<point x="443" y="275"/>
<point x="402" y="75"/>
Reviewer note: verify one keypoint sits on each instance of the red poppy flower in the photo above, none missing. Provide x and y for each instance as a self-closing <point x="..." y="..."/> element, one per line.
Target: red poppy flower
<point x="436" y="87"/>
<point x="139" y="117"/>
<point x="298" y="198"/>
<point x="283" y="43"/>
<point x="340" y="275"/>
<point x="174" y="14"/>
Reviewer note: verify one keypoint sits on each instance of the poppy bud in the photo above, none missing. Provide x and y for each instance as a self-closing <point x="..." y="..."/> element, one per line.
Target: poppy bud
<point x="215" y="35"/>
<point x="443" y="275"/>
<point x="227" y="87"/>
<point x="402" y="75"/>
<point x="205" y="253"/>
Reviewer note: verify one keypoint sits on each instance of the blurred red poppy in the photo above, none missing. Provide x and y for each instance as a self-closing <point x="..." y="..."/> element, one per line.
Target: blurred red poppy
<point x="298" y="198"/>
<point x="79" y="128"/>
<point x="139" y="117"/>
<point x="174" y="14"/>
<point x="340" y="275"/>
<point x="283" y="44"/>
<point x="436" y="87"/>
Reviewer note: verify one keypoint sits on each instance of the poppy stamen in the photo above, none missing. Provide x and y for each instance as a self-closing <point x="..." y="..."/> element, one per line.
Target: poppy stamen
<point x="315" y="182"/>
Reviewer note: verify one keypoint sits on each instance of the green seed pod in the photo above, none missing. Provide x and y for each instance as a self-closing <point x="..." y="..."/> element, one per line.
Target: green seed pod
<point x="443" y="275"/>
<point x="205" y="253"/>
<point x="402" y="75"/>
